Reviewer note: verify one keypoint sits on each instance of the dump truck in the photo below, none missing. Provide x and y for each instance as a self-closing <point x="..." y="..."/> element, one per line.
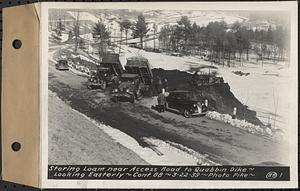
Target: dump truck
<point x="107" y="72"/>
<point x="130" y="88"/>
<point x="136" y="81"/>
<point x="141" y="67"/>
<point x="101" y="78"/>
<point x="112" y="62"/>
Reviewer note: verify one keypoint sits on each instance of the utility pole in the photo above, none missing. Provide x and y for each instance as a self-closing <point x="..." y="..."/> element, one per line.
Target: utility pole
<point x="154" y="29"/>
<point x="114" y="36"/>
<point x="121" y="29"/>
<point x="76" y="32"/>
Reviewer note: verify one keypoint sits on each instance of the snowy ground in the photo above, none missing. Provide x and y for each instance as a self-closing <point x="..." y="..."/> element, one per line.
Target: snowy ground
<point x="161" y="60"/>
<point x="262" y="88"/>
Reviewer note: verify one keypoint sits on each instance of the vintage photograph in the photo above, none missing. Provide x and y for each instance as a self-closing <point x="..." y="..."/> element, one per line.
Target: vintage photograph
<point x="169" y="87"/>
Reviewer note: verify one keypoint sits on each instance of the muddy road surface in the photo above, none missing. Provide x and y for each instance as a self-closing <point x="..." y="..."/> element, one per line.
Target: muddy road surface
<point x="222" y="143"/>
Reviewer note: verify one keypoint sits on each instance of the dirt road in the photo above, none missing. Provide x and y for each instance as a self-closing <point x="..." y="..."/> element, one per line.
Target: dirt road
<point x="222" y="143"/>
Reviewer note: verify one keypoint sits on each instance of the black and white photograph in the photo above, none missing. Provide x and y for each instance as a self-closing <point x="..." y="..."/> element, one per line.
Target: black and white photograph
<point x="170" y="87"/>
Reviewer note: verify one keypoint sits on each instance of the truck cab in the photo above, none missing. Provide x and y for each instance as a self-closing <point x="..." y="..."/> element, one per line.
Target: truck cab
<point x="129" y="88"/>
<point x="107" y="72"/>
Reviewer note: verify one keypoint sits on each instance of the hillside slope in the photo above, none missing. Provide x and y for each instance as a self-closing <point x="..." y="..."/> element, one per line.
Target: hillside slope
<point x="73" y="139"/>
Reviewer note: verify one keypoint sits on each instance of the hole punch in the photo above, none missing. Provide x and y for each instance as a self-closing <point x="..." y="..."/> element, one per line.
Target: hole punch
<point x="17" y="44"/>
<point x="16" y="146"/>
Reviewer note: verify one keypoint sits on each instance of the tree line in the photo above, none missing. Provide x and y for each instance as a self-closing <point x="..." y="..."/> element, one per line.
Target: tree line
<point x="102" y="35"/>
<point x="224" y="42"/>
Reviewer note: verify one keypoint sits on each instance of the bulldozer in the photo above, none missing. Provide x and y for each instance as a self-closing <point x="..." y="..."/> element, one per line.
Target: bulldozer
<point x="205" y="78"/>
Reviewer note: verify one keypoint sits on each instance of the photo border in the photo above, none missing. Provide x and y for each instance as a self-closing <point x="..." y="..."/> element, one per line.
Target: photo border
<point x="230" y="6"/>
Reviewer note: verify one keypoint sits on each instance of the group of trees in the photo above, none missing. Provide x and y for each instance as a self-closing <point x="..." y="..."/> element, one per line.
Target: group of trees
<point x="102" y="35"/>
<point x="271" y="44"/>
<point x="221" y="41"/>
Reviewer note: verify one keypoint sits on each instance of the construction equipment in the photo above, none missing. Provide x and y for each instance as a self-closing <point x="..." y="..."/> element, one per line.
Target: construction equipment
<point x="107" y="73"/>
<point x="140" y="66"/>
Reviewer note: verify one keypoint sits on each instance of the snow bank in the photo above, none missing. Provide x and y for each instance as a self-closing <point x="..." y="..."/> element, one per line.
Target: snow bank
<point x="85" y="58"/>
<point x="79" y="72"/>
<point x="175" y="153"/>
<point x="226" y="118"/>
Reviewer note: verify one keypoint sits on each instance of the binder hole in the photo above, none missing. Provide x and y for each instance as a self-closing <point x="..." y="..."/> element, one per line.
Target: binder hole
<point x="17" y="44"/>
<point x="16" y="146"/>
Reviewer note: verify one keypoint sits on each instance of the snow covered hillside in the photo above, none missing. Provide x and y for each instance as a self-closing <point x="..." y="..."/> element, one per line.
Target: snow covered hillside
<point x="261" y="90"/>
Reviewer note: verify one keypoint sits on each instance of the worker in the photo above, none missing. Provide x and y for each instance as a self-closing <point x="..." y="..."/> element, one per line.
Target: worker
<point x="195" y="77"/>
<point x="165" y="84"/>
<point x="115" y="81"/>
<point x="158" y="84"/>
<point x="161" y="100"/>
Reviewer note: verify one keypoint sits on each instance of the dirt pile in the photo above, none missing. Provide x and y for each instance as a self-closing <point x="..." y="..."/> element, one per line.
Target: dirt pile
<point x="221" y="99"/>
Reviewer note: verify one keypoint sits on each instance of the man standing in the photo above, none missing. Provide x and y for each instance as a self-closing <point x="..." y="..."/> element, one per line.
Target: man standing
<point x="165" y="84"/>
<point x="161" y="100"/>
<point x="158" y="84"/>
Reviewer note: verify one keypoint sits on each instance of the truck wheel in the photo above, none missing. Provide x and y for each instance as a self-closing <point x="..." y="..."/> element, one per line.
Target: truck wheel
<point x="187" y="113"/>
